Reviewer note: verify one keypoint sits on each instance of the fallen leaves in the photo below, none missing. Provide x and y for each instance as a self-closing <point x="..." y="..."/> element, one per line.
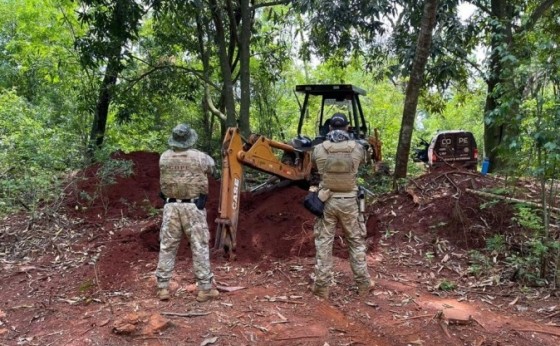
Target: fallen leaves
<point x="282" y="319"/>
<point x="209" y="341"/>
<point x="229" y="289"/>
<point x="282" y="299"/>
<point x="186" y="314"/>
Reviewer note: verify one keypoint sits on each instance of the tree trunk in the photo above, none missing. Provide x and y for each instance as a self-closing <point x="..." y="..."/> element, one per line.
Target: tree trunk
<point x="498" y="127"/>
<point x="494" y="125"/>
<point x="97" y="133"/>
<point x="245" y="72"/>
<point x="207" y="104"/>
<point x="225" y="66"/>
<point x="414" y="85"/>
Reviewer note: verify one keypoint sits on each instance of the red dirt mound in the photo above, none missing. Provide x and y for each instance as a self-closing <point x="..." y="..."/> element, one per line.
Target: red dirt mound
<point x="132" y="196"/>
<point x="271" y="224"/>
<point x="445" y="204"/>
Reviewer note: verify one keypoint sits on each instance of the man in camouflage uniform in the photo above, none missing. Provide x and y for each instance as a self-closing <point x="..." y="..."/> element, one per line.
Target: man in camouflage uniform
<point x="183" y="180"/>
<point x="337" y="160"/>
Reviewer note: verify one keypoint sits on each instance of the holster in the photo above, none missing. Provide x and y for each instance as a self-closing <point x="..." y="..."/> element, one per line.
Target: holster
<point x="361" y="199"/>
<point x="201" y="201"/>
<point x="314" y="204"/>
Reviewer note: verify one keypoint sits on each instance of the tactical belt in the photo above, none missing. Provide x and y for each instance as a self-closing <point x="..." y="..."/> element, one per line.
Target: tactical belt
<point x="175" y="200"/>
<point x="344" y="197"/>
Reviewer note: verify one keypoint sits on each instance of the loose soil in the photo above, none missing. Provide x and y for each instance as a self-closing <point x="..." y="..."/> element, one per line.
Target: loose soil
<point x="83" y="273"/>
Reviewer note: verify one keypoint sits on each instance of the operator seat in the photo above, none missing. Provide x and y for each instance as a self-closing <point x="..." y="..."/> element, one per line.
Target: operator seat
<point x="323" y="131"/>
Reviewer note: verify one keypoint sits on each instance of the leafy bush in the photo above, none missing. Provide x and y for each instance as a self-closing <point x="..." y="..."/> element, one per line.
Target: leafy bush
<point x="531" y="262"/>
<point x="527" y="218"/>
<point x="34" y="157"/>
<point x="526" y="269"/>
<point x="478" y="263"/>
<point x="446" y="285"/>
<point x="496" y="243"/>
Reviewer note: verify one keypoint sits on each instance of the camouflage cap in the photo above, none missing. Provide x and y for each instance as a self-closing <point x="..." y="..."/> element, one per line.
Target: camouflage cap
<point x="182" y="137"/>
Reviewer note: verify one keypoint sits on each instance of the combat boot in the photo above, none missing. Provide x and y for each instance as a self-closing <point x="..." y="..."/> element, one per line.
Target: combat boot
<point x="205" y="295"/>
<point x="320" y="291"/>
<point x="365" y="287"/>
<point x="163" y="294"/>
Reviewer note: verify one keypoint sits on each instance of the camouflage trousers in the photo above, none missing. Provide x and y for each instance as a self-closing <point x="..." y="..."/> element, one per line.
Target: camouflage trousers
<point x="345" y="211"/>
<point x="179" y="218"/>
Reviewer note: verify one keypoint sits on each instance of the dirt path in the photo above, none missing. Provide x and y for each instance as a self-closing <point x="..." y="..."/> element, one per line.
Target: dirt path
<point x="87" y="278"/>
<point x="42" y="305"/>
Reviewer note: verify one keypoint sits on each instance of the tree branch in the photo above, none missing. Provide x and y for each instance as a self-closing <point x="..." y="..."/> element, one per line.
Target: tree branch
<point x="537" y="14"/>
<point x="510" y="199"/>
<point x="482" y="7"/>
<point x="67" y="21"/>
<point x="463" y="57"/>
<point x="197" y="73"/>
<point x="211" y="106"/>
<point x="273" y="3"/>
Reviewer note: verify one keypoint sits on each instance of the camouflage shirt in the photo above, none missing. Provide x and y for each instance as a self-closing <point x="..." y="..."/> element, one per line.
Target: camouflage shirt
<point x="183" y="173"/>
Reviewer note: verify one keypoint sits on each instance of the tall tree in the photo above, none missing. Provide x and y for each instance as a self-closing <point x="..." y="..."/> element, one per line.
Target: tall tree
<point x="225" y="19"/>
<point x="224" y="41"/>
<point x="414" y="86"/>
<point x="112" y="27"/>
<point x="245" y="59"/>
<point x="500" y="109"/>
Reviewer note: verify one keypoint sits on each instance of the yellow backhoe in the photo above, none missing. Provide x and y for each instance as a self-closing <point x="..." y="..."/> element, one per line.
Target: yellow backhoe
<point x="287" y="161"/>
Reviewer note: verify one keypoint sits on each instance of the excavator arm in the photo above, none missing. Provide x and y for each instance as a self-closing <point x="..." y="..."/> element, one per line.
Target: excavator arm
<point x="256" y="152"/>
<point x="287" y="161"/>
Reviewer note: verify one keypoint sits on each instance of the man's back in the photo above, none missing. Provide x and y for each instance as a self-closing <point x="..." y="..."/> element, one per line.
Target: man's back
<point x="338" y="164"/>
<point x="183" y="173"/>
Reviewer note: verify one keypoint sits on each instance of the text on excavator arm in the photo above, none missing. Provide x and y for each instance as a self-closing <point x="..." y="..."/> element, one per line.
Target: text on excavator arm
<point x="256" y="152"/>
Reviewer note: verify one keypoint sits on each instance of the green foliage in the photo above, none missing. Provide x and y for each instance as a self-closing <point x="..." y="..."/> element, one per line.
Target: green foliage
<point x="107" y="172"/>
<point x="462" y="110"/>
<point x="111" y="169"/>
<point x="150" y="209"/>
<point x="110" y="26"/>
<point x="503" y="191"/>
<point x="488" y="205"/>
<point x="496" y="243"/>
<point x="526" y="217"/>
<point x="86" y="286"/>
<point x="478" y="263"/>
<point x="42" y="110"/>
<point x="447" y="285"/>
<point x="527" y="268"/>
<point x="33" y="156"/>
<point x="538" y="249"/>
<point x="337" y="28"/>
<point x="34" y="47"/>
<point x="389" y="233"/>
<point x="429" y="255"/>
